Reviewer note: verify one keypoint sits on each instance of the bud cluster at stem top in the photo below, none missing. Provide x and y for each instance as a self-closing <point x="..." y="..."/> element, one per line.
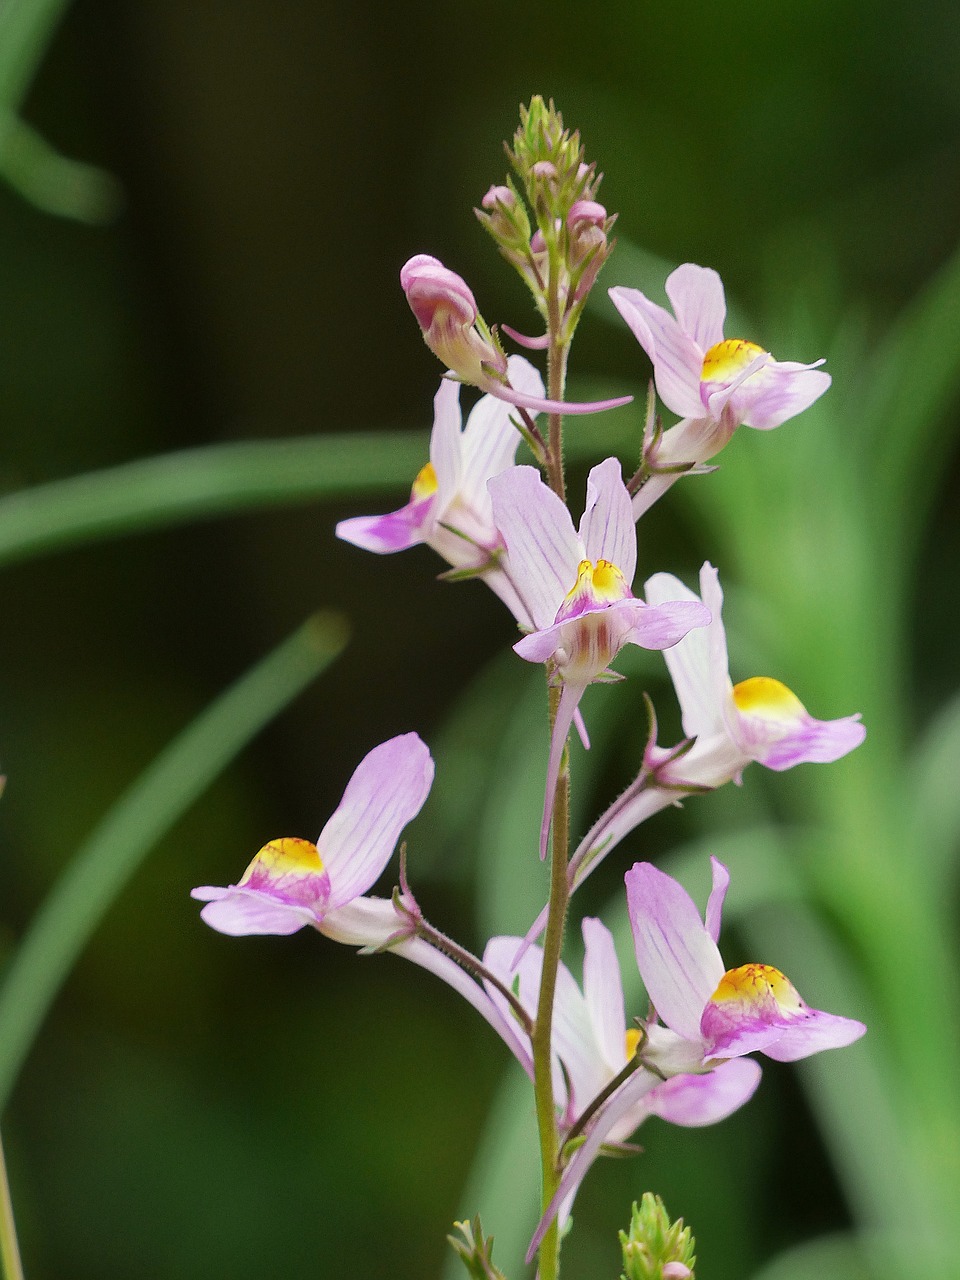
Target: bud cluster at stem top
<point x="562" y="256"/>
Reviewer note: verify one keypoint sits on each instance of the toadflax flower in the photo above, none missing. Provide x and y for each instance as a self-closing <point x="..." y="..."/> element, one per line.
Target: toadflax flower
<point x="575" y="587"/>
<point x="449" y="507"/>
<point x="457" y="335"/>
<point x="714" y="384"/>
<point x="758" y="719"/>
<point x="293" y="882"/>
<point x="708" y="1015"/>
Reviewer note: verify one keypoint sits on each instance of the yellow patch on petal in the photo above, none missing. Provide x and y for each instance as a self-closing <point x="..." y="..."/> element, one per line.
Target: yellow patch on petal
<point x="286" y="856"/>
<point x="634" y="1038"/>
<point x="768" y="698"/>
<point x="755" y="984"/>
<point x="725" y="360"/>
<point x="425" y="485"/>
<point x="602" y="583"/>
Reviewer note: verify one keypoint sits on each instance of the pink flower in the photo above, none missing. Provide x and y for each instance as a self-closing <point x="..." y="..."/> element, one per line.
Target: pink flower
<point x="294" y="882"/>
<point x="575" y="586"/>
<point x="454" y="331"/>
<point x="758" y="719"/>
<point x="449" y="507"/>
<point x="714" y="384"/>
<point x="711" y="1017"/>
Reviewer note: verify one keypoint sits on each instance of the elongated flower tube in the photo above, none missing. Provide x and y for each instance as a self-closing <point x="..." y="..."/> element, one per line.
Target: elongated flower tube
<point x="449" y="507"/>
<point x="454" y="331"/>
<point x="575" y="586"/>
<point x="714" y="384"/>
<point x="711" y="1016"/>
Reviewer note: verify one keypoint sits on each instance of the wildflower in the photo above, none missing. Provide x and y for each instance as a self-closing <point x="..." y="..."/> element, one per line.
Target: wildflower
<point x="293" y="882"/>
<point x="759" y="719"/>
<point x="449" y="507"/>
<point x="711" y="1017"/>
<point x="714" y="384"/>
<point x="575" y="587"/>
<point x="456" y="333"/>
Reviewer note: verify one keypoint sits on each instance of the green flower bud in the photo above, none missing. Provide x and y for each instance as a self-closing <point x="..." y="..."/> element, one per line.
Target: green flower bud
<point x="656" y="1248"/>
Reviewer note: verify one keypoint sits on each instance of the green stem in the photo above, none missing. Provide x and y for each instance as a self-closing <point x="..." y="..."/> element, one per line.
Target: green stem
<point x="557" y="353"/>
<point x="9" y="1250"/>
<point x="543" y="1030"/>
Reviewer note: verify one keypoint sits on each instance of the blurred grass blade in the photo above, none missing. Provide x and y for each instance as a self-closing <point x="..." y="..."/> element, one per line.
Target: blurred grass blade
<point x="915" y="375"/>
<point x="934" y="830"/>
<point x="113" y="852"/>
<point x="26" y="29"/>
<point x="503" y="1186"/>
<point x="195" y="484"/>
<point x="53" y="182"/>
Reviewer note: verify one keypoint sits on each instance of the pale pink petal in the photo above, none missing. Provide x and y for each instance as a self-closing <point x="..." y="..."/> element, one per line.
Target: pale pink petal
<point x="677" y="360"/>
<point x="603" y="993"/>
<point x="607" y="529"/>
<point x="539" y="343"/>
<point x="445" y="442"/>
<point x="714" y="913"/>
<point x="665" y="625"/>
<point x="395" y="531"/>
<point x="694" y="663"/>
<point x="779" y="391"/>
<point x="678" y="960"/>
<point x="386" y="792"/>
<point x="696" y="295"/>
<point x="542" y="545"/>
<point x="237" y="911"/>
<point x="818" y="1031"/>
<point x="813" y="741"/>
<point x="627" y="812"/>
<point x="696" y="1100"/>
<point x="490" y="438"/>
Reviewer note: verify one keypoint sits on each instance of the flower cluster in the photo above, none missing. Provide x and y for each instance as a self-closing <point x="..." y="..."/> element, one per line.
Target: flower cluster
<point x="571" y="589"/>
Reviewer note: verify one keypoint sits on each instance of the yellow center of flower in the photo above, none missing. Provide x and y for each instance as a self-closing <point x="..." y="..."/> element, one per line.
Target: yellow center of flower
<point x="768" y="698"/>
<point x="755" y="984"/>
<point x="602" y="581"/>
<point x="728" y="358"/>
<point x="286" y="856"/>
<point x="634" y="1038"/>
<point x="425" y="484"/>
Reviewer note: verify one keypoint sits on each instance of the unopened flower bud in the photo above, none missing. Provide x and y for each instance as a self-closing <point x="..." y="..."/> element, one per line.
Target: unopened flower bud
<point x="544" y="169"/>
<point x="656" y="1248"/>
<point x="499" y="195"/>
<point x="446" y="311"/>
<point x="586" y="213"/>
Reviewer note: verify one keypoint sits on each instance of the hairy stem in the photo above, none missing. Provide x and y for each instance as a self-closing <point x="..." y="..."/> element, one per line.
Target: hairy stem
<point x="543" y="1029"/>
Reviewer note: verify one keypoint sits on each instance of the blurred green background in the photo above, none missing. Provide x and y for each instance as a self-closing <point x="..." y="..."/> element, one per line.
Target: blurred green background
<point x="199" y="1106"/>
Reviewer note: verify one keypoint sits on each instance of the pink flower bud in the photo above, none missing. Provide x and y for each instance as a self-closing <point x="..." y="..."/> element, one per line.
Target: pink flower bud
<point x="499" y="196"/>
<point x="544" y="169"/>
<point x="676" y="1271"/>
<point x="586" y="213"/>
<point x="447" y="314"/>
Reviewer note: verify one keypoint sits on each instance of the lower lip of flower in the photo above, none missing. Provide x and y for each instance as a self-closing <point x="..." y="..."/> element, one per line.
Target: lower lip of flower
<point x="726" y="359"/>
<point x="768" y="699"/>
<point x="757" y="985"/>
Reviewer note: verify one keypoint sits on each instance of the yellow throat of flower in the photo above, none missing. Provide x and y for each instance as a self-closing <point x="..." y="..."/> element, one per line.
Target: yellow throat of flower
<point x="602" y="582"/>
<point x="425" y="485"/>
<point x="755" y="984"/>
<point x="726" y="359"/>
<point x="288" y="855"/>
<point x="768" y="698"/>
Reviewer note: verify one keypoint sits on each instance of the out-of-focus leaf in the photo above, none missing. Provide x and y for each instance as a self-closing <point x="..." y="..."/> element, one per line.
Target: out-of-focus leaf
<point x="53" y="182"/>
<point x="504" y="1181"/>
<point x="109" y="857"/>
<point x="914" y="377"/>
<point x="934" y="791"/>
<point x="829" y="1258"/>
<point x="217" y="480"/>
<point x="26" y="28"/>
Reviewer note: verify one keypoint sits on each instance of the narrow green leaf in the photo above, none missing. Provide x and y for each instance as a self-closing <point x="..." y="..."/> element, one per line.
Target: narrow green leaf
<point x="26" y="29"/>
<point x="934" y="820"/>
<point x="53" y="182"/>
<point x="195" y="484"/>
<point x="115" y="849"/>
